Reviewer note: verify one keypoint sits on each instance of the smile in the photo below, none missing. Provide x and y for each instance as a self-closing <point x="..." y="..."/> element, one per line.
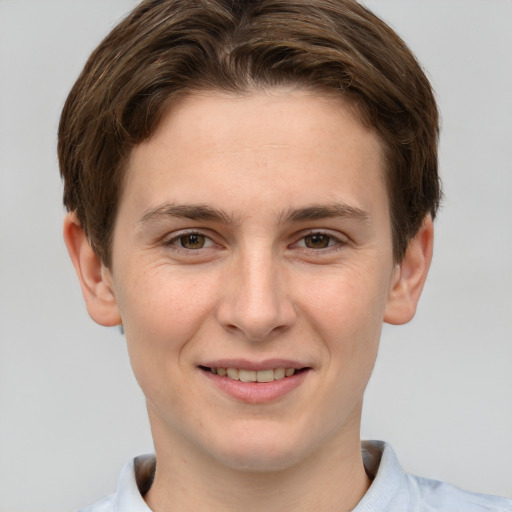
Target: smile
<point x="240" y="374"/>
<point x="255" y="382"/>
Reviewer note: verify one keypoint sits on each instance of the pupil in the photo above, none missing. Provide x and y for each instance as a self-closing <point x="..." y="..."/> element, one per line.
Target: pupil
<point x="192" y="241"/>
<point x="317" y="241"/>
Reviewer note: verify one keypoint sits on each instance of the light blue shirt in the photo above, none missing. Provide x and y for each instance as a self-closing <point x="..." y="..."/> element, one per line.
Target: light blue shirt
<point x="392" y="490"/>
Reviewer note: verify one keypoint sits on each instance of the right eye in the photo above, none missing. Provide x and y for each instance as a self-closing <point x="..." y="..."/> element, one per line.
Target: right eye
<point x="191" y="241"/>
<point x="318" y="241"/>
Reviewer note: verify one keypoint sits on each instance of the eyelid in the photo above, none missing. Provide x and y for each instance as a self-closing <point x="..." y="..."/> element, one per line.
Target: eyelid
<point x="340" y="239"/>
<point x="171" y="239"/>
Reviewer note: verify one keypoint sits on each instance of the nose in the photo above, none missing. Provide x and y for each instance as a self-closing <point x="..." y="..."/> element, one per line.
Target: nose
<point x="257" y="300"/>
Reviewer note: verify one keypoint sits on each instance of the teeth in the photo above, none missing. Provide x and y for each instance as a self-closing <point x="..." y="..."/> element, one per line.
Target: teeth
<point x="265" y="376"/>
<point x="233" y="373"/>
<point x="254" y="376"/>
<point x="279" y="373"/>
<point x="247" y="375"/>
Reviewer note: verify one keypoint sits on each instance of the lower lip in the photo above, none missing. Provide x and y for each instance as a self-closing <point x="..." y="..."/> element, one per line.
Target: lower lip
<point x="257" y="392"/>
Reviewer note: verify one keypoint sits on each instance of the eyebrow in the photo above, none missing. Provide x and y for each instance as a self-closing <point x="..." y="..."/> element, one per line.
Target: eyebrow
<point x="186" y="211"/>
<point x="318" y="212"/>
<point x="205" y="212"/>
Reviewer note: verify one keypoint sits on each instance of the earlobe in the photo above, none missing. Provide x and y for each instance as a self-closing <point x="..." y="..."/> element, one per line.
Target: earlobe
<point x="95" y="279"/>
<point x="409" y="277"/>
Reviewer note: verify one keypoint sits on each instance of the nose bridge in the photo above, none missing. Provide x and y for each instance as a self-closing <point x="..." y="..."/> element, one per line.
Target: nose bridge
<point x="257" y="301"/>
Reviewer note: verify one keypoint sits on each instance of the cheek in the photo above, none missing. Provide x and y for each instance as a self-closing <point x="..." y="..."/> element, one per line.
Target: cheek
<point x="345" y="311"/>
<point x="162" y="315"/>
<point x="349" y="300"/>
<point x="162" y="310"/>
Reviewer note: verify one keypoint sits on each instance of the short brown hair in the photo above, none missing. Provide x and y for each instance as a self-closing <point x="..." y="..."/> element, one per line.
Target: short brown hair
<point x="165" y="49"/>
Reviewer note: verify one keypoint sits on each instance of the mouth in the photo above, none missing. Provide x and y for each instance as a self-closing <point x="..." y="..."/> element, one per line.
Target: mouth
<point x="255" y="382"/>
<point x="244" y="375"/>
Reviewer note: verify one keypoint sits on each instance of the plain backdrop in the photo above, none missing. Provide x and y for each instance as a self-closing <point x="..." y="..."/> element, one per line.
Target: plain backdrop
<point x="71" y="413"/>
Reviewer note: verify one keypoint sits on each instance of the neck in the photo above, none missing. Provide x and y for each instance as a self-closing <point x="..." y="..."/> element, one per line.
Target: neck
<point x="332" y="479"/>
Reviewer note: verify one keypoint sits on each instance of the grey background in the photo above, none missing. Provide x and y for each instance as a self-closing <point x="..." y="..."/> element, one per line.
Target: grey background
<point x="70" y="411"/>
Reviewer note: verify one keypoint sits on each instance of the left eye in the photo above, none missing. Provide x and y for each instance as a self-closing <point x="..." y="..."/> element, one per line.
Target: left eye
<point x="318" y="241"/>
<point x="192" y="241"/>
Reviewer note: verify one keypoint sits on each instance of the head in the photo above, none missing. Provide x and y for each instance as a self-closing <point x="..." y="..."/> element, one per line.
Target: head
<point x="252" y="186"/>
<point x="165" y="50"/>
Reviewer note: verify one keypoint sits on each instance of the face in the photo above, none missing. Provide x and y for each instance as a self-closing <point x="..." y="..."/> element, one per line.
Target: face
<point x="253" y="239"/>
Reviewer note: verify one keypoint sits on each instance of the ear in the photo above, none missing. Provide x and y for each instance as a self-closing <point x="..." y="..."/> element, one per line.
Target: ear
<point x="95" y="279"/>
<point x="410" y="275"/>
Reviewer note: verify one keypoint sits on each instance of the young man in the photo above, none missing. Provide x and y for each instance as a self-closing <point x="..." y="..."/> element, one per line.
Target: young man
<point x="251" y="188"/>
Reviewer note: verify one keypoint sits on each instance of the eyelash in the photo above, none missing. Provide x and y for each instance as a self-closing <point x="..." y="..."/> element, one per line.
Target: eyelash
<point x="333" y="242"/>
<point x="174" y="241"/>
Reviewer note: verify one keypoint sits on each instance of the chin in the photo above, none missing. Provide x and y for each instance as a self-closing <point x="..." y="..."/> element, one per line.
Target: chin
<point x="260" y="452"/>
<point x="258" y="461"/>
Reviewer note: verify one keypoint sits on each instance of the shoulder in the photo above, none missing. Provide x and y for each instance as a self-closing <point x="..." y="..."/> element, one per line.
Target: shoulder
<point x="135" y="479"/>
<point x="426" y="494"/>
<point x="394" y="490"/>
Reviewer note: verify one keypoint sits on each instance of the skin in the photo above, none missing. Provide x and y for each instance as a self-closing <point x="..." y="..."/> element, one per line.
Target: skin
<point x="262" y="278"/>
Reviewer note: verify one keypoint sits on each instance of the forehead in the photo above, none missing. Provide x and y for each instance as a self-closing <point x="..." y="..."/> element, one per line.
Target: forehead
<point x="274" y="148"/>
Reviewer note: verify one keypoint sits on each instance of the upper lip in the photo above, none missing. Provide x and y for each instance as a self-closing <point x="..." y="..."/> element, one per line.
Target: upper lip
<point x="244" y="364"/>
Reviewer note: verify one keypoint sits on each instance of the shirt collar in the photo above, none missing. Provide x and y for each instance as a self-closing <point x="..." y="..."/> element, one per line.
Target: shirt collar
<point x="388" y="477"/>
<point x="380" y="463"/>
<point x="128" y="496"/>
